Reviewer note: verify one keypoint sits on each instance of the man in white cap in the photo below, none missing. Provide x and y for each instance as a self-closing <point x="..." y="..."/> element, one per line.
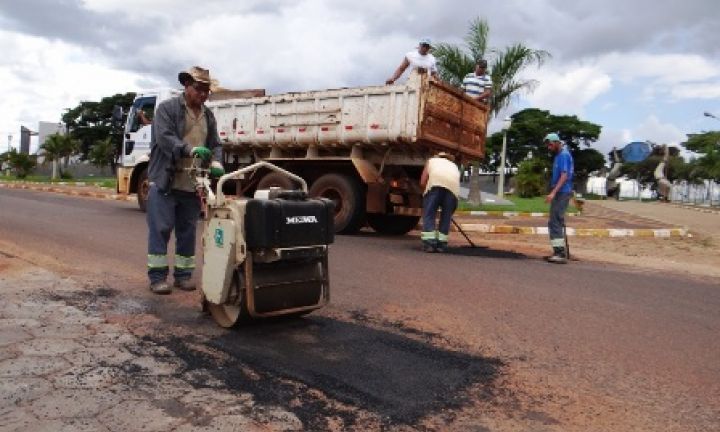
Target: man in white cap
<point x="183" y="128"/>
<point x="441" y="180"/>
<point x="559" y="196"/>
<point x="419" y="60"/>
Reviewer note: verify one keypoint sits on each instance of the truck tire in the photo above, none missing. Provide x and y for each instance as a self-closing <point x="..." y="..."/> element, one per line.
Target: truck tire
<point x="392" y="224"/>
<point x="143" y="189"/>
<point x="275" y="179"/>
<point x="349" y="199"/>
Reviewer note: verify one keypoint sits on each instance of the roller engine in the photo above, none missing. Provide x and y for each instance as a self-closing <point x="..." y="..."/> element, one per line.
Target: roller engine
<point x="267" y="255"/>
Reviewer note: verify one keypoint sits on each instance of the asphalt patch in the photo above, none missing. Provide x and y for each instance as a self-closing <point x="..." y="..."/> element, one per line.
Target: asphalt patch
<point x="91" y="300"/>
<point x="316" y="367"/>
<point x="485" y="252"/>
<point x="398" y="378"/>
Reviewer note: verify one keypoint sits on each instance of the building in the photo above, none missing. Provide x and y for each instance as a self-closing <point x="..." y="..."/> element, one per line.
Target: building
<point x="46" y="129"/>
<point x="25" y="135"/>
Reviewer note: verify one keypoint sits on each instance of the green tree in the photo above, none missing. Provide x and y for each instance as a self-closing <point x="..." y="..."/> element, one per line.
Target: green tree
<point x="57" y="147"/>
<point x="102" y="154"/>
<point x="91" y="122"/>
<point x="525" y="138"/>
<point x="707" y="164"/>
<point x="20" y="163"/>
<point x="505" y="65"/>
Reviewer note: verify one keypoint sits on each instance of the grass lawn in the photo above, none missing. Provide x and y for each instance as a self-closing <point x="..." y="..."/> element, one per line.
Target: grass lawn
<point x="108" y="182"/>
<point x="536" y="204"/>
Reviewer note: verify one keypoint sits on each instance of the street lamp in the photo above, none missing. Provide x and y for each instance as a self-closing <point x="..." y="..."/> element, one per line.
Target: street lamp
<point x="501" y="184"/>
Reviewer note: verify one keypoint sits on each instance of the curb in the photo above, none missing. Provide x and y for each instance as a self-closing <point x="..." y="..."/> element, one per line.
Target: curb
<point x="60" y="190"/>
<point x="505" y="213"/>
<point x="695" y="208"/>
<point x="579" y="232"/>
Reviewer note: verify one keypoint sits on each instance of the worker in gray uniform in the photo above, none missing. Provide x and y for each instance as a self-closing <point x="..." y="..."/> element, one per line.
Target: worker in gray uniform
<point x="182" y="129"/>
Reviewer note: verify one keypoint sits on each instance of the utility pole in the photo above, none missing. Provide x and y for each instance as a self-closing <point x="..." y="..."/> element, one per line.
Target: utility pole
<point x="501" y="183"/>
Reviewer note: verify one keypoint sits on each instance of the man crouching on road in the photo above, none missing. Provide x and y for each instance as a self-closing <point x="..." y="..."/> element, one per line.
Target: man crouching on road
<point x="559" y="196"/>
<point x="441" y="180"/>
<point x="182" y="129"/>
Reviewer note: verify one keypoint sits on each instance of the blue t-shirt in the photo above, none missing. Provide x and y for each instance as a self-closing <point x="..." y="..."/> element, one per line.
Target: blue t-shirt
<point x="563" y="162"/>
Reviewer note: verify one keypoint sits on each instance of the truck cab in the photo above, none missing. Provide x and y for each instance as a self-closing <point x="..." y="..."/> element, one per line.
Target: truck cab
<point x="132" y="171"/>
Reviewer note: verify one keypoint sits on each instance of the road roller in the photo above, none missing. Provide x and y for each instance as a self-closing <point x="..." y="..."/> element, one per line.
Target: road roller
<point x="263" y="256"/>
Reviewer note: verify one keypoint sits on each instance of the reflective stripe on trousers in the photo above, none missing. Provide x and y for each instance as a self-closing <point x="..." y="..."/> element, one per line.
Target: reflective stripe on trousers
<point x="176" y="211"/>
<point x="157" y="261"/>
<point x="184" y="262"/>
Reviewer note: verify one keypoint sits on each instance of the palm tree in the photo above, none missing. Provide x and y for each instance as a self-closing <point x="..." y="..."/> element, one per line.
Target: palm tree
<point x="505" y="65"/>
<point x="56" y="147"/>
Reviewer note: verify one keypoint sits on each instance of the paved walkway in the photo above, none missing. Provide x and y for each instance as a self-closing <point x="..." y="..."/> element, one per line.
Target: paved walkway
<point x="705" y="224"/>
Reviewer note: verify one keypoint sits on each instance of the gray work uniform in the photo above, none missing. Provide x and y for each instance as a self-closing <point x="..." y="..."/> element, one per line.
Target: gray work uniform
<point x="172" y="203"/>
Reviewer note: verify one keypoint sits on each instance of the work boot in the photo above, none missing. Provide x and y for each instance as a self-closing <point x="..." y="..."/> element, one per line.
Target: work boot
<point x="441" y="247"/>
<point x="160" y="287"/>
<point x="184" y="284"/>
<point x="558" y="256"/>
<point x="428" y="245"/>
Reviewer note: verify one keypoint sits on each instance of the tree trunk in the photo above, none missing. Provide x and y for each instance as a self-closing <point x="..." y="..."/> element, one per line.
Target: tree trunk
<point x="54" y="169"/>
<point x="474" y="193"/>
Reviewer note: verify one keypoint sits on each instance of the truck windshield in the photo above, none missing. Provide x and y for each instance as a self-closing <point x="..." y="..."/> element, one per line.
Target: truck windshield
<point x="141" y="113"/>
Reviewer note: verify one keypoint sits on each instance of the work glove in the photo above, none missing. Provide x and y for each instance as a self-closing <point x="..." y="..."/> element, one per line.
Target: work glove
<point x="203" y="153"/>
<point x="216" y="169"/>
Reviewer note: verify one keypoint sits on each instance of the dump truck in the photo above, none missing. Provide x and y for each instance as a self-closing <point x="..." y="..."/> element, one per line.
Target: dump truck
<point x="364" y="148"/>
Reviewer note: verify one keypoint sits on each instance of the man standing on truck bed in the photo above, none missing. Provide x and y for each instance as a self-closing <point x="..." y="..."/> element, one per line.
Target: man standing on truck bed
<point x="478" y="84"/>
<point x="420" y="60"/>
<point x="181" y="129"/>
<point x="559" y="196"/>
<point x="441" y="180"/>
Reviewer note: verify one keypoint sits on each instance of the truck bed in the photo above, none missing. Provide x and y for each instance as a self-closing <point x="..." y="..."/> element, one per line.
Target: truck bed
<point x="421" y="115"/>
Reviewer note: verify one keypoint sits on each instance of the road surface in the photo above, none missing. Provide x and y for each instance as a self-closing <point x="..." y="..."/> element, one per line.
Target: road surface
<point x="477" y="339"/>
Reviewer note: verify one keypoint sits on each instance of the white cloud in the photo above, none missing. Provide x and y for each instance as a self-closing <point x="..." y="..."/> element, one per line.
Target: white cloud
<point x="569" y="90"/>
<point x="42" y="78"/>
<point x="697" y="91"/>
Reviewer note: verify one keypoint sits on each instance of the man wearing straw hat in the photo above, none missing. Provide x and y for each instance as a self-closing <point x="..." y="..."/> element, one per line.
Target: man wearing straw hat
<point x="182" y="129"/>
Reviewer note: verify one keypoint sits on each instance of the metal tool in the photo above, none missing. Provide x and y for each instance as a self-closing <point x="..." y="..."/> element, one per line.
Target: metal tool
<point x="463" y="233"/>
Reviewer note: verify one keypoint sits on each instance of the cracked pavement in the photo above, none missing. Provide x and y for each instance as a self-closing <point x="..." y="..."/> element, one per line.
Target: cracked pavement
<point x="67" y="369"/>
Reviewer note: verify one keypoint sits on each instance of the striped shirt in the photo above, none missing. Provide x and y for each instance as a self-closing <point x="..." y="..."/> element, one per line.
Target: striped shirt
<point x="474" y="85"/>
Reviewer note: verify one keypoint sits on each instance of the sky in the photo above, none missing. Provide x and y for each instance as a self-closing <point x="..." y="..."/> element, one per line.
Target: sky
<point x="642" y="69"/>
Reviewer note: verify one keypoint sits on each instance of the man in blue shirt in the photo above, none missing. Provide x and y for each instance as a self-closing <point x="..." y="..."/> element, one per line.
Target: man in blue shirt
<point x="559" y="196"/>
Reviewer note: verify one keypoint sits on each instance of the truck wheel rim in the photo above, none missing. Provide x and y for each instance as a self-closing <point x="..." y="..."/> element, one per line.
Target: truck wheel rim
<point x="336" y="197"/>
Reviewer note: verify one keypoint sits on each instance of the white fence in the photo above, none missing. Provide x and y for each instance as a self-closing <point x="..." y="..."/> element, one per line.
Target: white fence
<point x="706" y="193"/>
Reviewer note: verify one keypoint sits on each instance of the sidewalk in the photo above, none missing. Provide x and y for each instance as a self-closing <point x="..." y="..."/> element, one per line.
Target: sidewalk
<point x="594" y="221"/>
<point x="704" y="224"/>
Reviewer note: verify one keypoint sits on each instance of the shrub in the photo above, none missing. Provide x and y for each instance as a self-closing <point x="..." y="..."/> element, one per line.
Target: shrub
<point x="530" y="178"/>
<point x="20" y="163"/>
